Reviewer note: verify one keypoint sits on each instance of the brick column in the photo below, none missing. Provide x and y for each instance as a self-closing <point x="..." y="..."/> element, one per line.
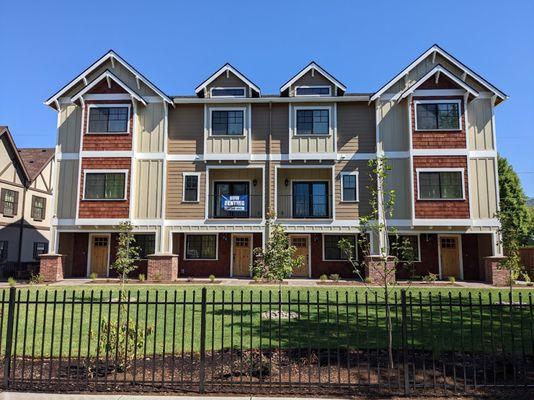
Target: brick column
<point x="495" y="275"/>
<point x="162" y="267"/>
<point x="374" y="269"/>
<point x="51" y="267"/>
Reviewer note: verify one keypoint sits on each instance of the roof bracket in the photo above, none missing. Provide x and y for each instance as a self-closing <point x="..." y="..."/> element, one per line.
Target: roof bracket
<point x="437" y="77"/>
<point x="434" y="57"/>
<point x="112" y="61"/>
<point x="109" y="82"/>
<point x="138" y="82"/>
<point x="82" y="101"/>
<point x="227" y="74"/>
<point x="85" y="81"/>
<point x="313" y="72"/>
<point x="464" y="75"/>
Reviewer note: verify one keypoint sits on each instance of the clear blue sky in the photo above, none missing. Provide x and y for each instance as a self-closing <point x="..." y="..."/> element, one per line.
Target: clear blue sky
<point x="44" y="44"/>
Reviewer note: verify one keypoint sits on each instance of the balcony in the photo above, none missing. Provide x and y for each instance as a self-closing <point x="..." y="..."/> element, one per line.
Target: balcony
<point x="235" y="206"/>
<point x="304" y="206"/>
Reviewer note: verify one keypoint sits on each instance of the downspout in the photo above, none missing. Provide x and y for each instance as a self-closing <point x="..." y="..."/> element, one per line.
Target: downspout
<point x="268" y="159"/>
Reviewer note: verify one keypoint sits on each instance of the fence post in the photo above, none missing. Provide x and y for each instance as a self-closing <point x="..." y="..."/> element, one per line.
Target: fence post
<point x="9" y="336"/>
<point x="404" y="326"/>
<point x="202" y="372"/>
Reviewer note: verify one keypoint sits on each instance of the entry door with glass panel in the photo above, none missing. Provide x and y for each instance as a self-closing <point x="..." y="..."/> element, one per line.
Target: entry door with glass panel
<point x="301" y="249"/>
<point x="224" y="206"/>
<point x="310" y="199"/>
<point x="241" y="260"/>
<point x="450" y="256"/>
<point x="99" y="255"/>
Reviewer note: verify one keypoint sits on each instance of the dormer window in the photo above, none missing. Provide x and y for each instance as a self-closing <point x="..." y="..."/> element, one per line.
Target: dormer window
<point x="228" y="92"/>
<point x="313" y="91"/>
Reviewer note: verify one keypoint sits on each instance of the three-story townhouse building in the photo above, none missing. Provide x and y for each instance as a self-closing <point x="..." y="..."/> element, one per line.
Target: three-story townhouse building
<point x="197" y="175"/>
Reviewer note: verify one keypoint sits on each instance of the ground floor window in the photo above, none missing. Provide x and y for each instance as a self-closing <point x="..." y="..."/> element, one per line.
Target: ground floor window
<point x="332" y="251"/>
<point x="201" y="247"/>
<point x="39" y="248"/>
<point x="3" y="250"/>
<point x="146" y="242"/>
<point x="396" y="247"/>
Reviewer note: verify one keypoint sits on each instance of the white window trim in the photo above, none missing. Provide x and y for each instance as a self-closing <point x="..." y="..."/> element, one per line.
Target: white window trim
<point x="357" y="174"/>
<point x="355" y="255"/>
<point x="245" y="121"/>
<point x="330" y="121"/>
<point x="438" y="101"/>
<point x="419" y="170"/>
<point x="186" y="235"/>
<point x="418" y="235"/>
<point x="313" y="87"/>
<point x="330" y="197"/>
<point x="184" y="175"/>
<point x="236" y="87"/>
<point x="87" y="132"/>
<point x="104" y="171"/>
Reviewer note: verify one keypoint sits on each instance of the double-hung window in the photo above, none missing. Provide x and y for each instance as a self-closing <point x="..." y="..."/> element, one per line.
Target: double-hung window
<point x="146" y="243"/>
<point x="404" y="247"/>
<point x="313" y="122"/>
<point x="201" y="247"/>
<point x="310" y="200"/>
<point x="440" y="185"/>
<point x="438" y="116"/>
<point x="191" y="186"/>
<point x="349" y="186"/>
<point x="39" y="248"/>
<point x="105" y="186"/>
<point x="227" y="122"/>
<point x="8" y="202"/>
<point x="332" y="251"/>
<point x="108" y="119"/>
<point x="38" y="208"/>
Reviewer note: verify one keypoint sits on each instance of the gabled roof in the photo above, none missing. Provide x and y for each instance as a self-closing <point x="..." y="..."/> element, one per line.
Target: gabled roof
<point x="107" y="74"/>
<point x="35" y="160"/>
<point x="115" y="58"/>
<point x="4" y="131"/>
<point x="304" y="71"/>
<point x="438" y="69"/>
<point x="438" y="50"/>
<point x="220" y="71"/>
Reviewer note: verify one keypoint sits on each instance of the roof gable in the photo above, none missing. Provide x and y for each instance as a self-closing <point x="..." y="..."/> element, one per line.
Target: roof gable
<point x="35" y="160"/>
<point x="11" y="148"/>
<point x="226" y="68"/>
<point x="315" y="67"/>
<point x="111" y="57"/>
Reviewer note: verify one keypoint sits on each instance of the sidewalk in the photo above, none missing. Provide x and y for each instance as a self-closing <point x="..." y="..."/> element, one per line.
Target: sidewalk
<point x="50" y="396"/>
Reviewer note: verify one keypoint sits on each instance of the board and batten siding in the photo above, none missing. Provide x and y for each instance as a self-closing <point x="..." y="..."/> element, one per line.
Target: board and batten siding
<point x="175" y="207"/>
<point x="483" y="187"/>
<point x="148" y="188"/>
<point x="312" y="143"/>
<point x="186" y="129"/>
<point x="67" y="188"/>
<point x="151" y="128"/>
<point x="479" y="125"/>
<point x="69" y="128"/>
<point x="393" y="125"/>
<point x="356" y="128"/>
<point x="228" y="144"/>
<point x="398" y="179"/>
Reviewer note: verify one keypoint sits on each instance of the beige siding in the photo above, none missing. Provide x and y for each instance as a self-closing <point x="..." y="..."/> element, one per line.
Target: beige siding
<point x="312" y="143"/>
<point x="316" y="80"/>
<point x="69" y="130"/>
<point x="151" y="122"/>
<point x="479" y="126"/>
<point x="186" y="129"/>
<point x="393" y="125"/>
<point x="260" y="128"/>
<point x="44" y="179"/>
<point x="16" y="218"/>
<point x="398" y="179"/>
<point x="356" y="128"/>
<point x="280" y="129"/>
<point x="8" y="172"/>
<point x="228" y="144"/>
<point x="231" y="81"/>
<point x="67" y="182"/>
<point x="176" y="208"/>
<point x="483" y="190"/>
<point x="352" y="210"/>
<point x="148" y="188"/>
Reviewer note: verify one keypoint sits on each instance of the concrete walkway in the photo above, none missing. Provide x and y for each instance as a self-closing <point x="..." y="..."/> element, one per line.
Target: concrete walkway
<point x="55" y="396"/>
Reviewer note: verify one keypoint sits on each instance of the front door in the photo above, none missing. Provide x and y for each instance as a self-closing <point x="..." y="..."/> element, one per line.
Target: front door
<point x="99" y="255"/>
<point x="301" y="245"/>
<point x="450" y="256"/>
<point x="242" y="246"/>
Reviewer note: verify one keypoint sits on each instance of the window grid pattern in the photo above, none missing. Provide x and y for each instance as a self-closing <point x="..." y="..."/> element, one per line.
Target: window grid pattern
<point x="39" y="248"/>
<point x="313" y="91"/>
<point x="38" y="208"/>
<point x="349" y="188"/>
<point x="227" y="123"/>
<point x="313" y="122"/>
<point x="228" y="92"/>
<point x="440" y="185"/>
<point x="191" y="188"/>
<point x="332" y="251"/>
<point x="442" y="116"/>
<point x="146" y="244"/>
<point x="9" y="202"/>
<point x="396" y="242"/>
<point x="105" y="186"/>
<point x="201" y="247"/>
<point x="108" y="119"/>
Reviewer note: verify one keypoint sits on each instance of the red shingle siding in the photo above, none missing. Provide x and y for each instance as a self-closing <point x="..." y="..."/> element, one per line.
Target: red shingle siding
<point x="105" y="208"/>
<point x="441" y="208"/>
<point x="439" y="139"/>
<point x="105" y="141"/>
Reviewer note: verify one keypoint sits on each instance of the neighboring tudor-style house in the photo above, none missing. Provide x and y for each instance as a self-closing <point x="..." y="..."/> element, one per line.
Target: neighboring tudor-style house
<point x="25" y="206"/>
<point x="196" y="175"/>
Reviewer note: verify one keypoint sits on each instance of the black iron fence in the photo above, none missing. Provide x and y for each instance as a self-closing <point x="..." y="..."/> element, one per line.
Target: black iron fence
<point x="264" y="342"/>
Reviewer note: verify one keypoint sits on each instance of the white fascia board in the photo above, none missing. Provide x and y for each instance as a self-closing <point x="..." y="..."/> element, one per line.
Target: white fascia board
<point x="316" y="67"/>
<point x="223" y="69"/>
<point x="267" y="100"/>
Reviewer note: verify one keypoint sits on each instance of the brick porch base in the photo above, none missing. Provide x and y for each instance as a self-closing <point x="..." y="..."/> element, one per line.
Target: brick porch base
<point x="374" y="269"/>
<point x="495" y="275"/>
<point x="162" y="267"/>
<point x="51" y="267"/>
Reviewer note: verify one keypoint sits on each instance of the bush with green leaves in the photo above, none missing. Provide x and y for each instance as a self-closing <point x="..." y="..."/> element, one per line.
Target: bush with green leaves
<point x="430" y="278"/>
<point x="93" y="276"/>
<point x="335" y="277"/>
<point x="323" y="278"/>
<point x="36" y="279"/>
<point x="127" y="252"/>
<point x="11" y="281"/>
<point x="141" y="277"/>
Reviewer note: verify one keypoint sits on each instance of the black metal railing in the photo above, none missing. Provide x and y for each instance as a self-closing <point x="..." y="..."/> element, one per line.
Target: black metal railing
<point x="264" y="342"/>
<point x="304" y="206"/>
<point x="228" y="206"/>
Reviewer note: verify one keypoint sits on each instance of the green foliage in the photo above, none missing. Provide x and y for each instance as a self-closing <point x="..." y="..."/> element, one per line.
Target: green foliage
<point x="11" y="281"/>
<point x="127" y="252"/>
<point x="323" y="277"/>
<point x="141" y="277"/>
<point x="335" y="277"/>
<point x="36" y="279"/>
<point x="211" y="278"/>
<point x="452" y="279"/>
<point x="276" y="262"/>
<point x="430" y="278"/>
<point x="93" y="276"/>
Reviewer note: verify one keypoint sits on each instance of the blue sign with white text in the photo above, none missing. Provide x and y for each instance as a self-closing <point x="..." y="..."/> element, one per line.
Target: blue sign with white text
<point x="234" y="203"/>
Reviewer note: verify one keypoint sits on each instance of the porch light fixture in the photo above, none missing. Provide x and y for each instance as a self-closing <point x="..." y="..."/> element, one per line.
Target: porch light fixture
<point x="286" y="182"/>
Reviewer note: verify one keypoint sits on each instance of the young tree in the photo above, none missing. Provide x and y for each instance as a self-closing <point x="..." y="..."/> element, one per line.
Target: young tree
<point x="276" y="262"/>
<point x="127" y="252"/>
<point x="388" y="257"/>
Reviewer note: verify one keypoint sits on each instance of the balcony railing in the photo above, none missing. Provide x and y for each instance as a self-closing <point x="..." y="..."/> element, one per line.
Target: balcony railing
<point x="304" y="206"/>
<point x="235" y="206"/>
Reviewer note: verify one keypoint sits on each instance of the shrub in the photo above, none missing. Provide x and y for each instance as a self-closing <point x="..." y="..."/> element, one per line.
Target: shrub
<point x="142" y="277"/>
<point x="452" y="279"/>
<point x="11" y="281"/>
<point x="430" y="278"/>
<point x="36" y="279"/>
<point x="323" y="277"/>
<point x="211" y="278"/>
<point x="157" y="277"/>
<point x="334" y="277"/>
<point x="93" y="276"/>
<point x="368" y="279"/>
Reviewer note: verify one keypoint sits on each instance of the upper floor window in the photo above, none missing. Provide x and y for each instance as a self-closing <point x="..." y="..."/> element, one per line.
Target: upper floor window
<point x="228" y="92"/>
<point x="38" y="208"/>
<point x="108" y="119"/>
<point x="3" y="250"/>
<point x="146" y="244"/>
<point x="191" y="185"/>
<point x="105" y="186"/>
<point x="312" y="91"/>
<point x="9" y="202"/>
<point x="438" y="115"/>
<point x="227" y="122"/>
<point x="313" y="122"/>
<point x="349" y="186"/>
<point x="441" y="185"/>
<point x="39" y="248"/>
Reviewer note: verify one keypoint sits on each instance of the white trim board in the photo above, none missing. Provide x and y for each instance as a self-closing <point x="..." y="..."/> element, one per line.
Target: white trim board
<point x="202" y="234"/>
<point x="316" y="67"/>
<point x="105" y="171"/>
<point x="419" y="170"/>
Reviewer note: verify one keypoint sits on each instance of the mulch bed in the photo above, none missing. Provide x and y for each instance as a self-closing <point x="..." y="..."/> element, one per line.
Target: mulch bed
<point x="177" y="282"/>
<point x="267" y="283"/>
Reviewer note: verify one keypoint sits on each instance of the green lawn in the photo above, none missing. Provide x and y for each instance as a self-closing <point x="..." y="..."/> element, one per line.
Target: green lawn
<point x="343" y="317"/>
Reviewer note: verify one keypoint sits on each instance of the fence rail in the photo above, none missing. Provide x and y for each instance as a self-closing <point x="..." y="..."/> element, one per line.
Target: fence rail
<point x="264" y="342"/>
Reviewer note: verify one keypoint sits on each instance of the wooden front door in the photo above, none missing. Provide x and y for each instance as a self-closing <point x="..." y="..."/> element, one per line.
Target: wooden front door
<point x="301" y="245"/>
<point x="450" y="256"/>
<point x="99" y="255"/>
<point x="242" y="246"/>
